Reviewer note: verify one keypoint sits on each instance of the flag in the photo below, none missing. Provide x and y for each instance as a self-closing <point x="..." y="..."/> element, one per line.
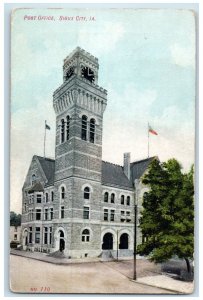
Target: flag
<point x="151" y="130"/>
<point x="47" y="127"/>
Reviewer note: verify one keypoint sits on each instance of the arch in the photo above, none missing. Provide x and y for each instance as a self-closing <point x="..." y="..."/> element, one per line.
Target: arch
<point x="84" y="128"/>
<point x="106" y="197"/>
<point x="130" y="237"/>
<point x="107" y="241"/>
<point x="124" y="241"/>
<point x="92" y="130"/>
<point x="60" y="238"/>
<point x="87" y="185"/>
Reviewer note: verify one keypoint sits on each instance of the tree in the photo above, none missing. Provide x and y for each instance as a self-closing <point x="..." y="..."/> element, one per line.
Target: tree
<point x="15" y="220"/>
<point x="167" y="219"/>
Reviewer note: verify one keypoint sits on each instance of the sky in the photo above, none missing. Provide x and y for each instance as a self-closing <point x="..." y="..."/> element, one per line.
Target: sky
<point x="146" y="63"/>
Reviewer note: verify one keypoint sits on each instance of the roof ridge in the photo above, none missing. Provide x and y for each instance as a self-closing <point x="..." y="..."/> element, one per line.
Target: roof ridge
<point x="111" y="163"/>
<point x="144" y="159"/>
<point x="45" y="158"/>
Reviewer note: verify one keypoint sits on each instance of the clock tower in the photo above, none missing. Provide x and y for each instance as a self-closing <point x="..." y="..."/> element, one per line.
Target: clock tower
<point x="79" y="104"/>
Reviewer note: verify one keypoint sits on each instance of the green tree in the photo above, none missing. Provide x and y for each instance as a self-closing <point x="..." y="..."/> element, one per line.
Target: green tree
<point x="167" y="219"/>
<point x="15" y="220"/>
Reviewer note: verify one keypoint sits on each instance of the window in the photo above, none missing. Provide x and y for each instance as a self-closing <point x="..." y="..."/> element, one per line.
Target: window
<point x="87" y="193"/>
<point x="84" y="128"/>
<point x="46" y="214"/>
<point x="106" y="197"/>
<point x="122" y="199"/>
<point x="112" y="215"/>
<point x="37" y="235"/>
<point x="39" y="198"/>
<point x="128" y="200"/>
<point x="128" y="218"/>
<point x="33" y="179"/>
<point x="52" y="196"/>
<point x="50" y="235"/>
<point x="62" y="212"/>
<point x="122" y="216"/>
<point x="106" y="214"/>
<point x="51" y="213"/>
<point x="92" y="130"/>
<point x="38" y="214"/>
<point x="86" y="212"/>
<point x="46" y="197"/>
<point x="30" y="235"/>
<point x="45" y="235"/>
<point x="62" y="193"/>
<point x="25" y="207"/>
<point x="15" y="237"/>
<point x="67" y="128"/>
<point x="112" y="198"/>
<point x="86" y="235"/>
<point x="62" y="130"/>
<point x="31" y="215"/>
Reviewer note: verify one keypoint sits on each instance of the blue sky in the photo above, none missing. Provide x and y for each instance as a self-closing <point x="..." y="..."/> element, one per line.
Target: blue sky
<point x="147" y="64"/>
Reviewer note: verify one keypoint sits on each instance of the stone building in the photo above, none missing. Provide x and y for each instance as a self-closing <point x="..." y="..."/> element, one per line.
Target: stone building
<point x="78" y="203"/>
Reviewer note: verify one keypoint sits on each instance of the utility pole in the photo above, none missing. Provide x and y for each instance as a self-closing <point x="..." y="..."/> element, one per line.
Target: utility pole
<point x="135" y="244"/>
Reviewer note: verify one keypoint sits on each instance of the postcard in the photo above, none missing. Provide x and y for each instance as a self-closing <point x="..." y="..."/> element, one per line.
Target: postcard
<point x="102" y="151"/>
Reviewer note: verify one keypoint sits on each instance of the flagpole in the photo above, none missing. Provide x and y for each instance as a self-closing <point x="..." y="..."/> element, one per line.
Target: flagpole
<point x="148" y="139"/>
<point x="44" y="136"/>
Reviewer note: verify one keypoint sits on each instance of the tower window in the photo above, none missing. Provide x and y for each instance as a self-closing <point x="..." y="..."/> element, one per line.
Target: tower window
<point x="106" y="197"/>
<point x="67" y="128"/>
<point x="45" y="235"/>
<point x="50" y="235"/>
<point x="46" y="214"/>
<point x="62" y="193"/>
<point x="38" y="214"/>
<point x="86" y="235"/>
<point x="128" y="200"/>
<point x="87" y="193"/>
<point x="106" y="214"/>
<point x="86" y="212"/>
<point x="62" y="212"/>
<point x="84" y="128"/>
<point x="39" y="198"/>
<point x="46" y="197"/>
<point x="92" y="130"/>
<point x="112" y="198"/>
<point x="112" y="215"/>
<point x="51" y="213"/>
<point x="62" y="130"/>
<point x="122" y="199"/>
<point x="30" y="235"/>
<point x="52" y="196"/>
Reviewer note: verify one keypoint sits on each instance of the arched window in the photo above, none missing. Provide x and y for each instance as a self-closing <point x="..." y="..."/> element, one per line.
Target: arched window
<point x="46" y="197"/>
<point x="33" y="178"/>
<point x="86" y="235"/>
<point x="87" y="193"/>
<point x="112" y="198"/>
<point x="62" y="130"/>
<point x="67" y="128"/>
<point x="62" y="192"/>
<point x="128" y="200"/>
<point x="84" y="128"/>
<point x="52" y="196"/>
<point x="122" y="199"/>
<point x="106" y="197"/>
<point x="92" y="130"/>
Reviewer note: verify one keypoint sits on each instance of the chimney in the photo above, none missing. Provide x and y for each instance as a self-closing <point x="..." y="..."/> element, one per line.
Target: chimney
<point x="126" y="164"/>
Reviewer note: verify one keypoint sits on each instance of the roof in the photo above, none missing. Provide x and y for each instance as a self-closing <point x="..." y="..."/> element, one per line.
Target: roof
<point x="114" y="175"/>
<point x="37" y="187"/>
<point x="138" y="168"/>
<point x="48" y="166"/>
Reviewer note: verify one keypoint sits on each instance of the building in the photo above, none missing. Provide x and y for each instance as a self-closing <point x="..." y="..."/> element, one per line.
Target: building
<point x="78" y="203"/>
<point x="15" y="233"/>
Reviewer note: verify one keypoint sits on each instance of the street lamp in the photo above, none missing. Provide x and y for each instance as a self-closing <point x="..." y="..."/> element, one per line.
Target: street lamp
<point x="135" y="244"/>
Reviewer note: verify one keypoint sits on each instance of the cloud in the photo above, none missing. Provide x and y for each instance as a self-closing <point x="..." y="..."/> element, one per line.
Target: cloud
<point x="183" y="56"/>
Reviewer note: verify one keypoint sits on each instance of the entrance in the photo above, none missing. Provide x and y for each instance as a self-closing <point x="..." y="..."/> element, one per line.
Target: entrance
<point x="123" y="241"/>
<point x="107" y="241"/>
<point x="61" y="241"/>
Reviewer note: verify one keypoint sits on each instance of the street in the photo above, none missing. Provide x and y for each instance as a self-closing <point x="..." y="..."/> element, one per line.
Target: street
<point x="32" y="276"/>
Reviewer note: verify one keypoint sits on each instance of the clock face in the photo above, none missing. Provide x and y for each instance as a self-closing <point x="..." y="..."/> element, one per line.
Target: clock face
<point x="88" y="74"/>
<point x="69" y="73"/>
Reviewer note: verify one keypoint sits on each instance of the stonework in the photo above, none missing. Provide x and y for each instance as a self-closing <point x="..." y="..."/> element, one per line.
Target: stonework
<point x="78" y="204"/>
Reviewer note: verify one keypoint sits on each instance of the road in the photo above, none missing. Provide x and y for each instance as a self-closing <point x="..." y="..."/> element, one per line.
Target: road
<point x="32" y="276"/>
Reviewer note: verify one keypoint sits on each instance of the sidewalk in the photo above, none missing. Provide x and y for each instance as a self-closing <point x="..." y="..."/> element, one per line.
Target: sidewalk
<point x="53" y="260"/>
<point x="166" y="282"/>
<point x="159" y="281"/>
